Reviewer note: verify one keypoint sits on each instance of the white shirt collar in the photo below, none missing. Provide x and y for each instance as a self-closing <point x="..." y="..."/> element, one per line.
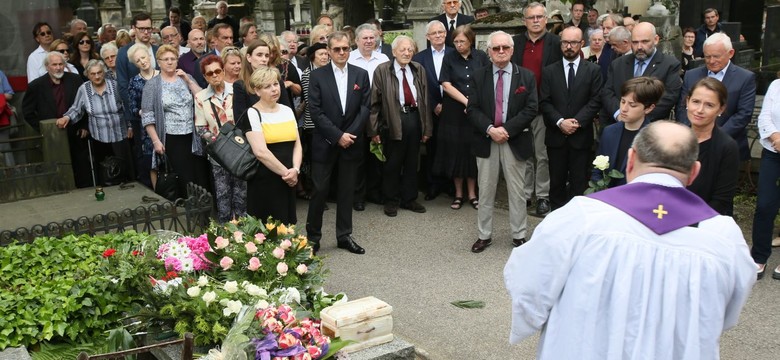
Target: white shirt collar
<point x="659" y="179"/>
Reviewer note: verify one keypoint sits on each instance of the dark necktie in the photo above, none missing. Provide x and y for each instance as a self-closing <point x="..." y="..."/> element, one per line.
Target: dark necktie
<point x="408" y="97"/>
<point x="452" y="25"/>
<point x="638" y="71"/>
<point x="571" y="75"/>
<point x="498" y="117"/>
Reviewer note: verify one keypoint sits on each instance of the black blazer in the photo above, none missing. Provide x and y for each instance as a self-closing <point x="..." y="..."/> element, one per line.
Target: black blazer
<point x="302" y="62"/>
<point x="662" y="67"/>
<point x="425" y="58"/>
<point x="717" y="180"/>
<point x="330" y="122"/>
<point x="740" y="103"/>
<point x="387" y="49"/>
<point x="550" y="53"/>
<point x="581" y="102"/>
<point x="459" y="20"/>
<point x="38" y="103"/>
<point x="521" y="111"/>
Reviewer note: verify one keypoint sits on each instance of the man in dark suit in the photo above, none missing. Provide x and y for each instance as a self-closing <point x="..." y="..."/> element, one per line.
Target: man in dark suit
<point x="502" y="109"/>
<point x="740" y="83"/>
<point x="381" y="45"/>
<point x="339" y="101"/>
<point x="174" y="19"/>
<point x="645" y="60"/>
<point x="400" y="121"/>
<point x="49" y="97"/>
<point x="569" y="101"/>
<point x="537" y="48"/>
<point x="431" y="59"/>
<point x="452" y="18"/>
<point x="711" y="26"/>
<point x="223" y="35"/>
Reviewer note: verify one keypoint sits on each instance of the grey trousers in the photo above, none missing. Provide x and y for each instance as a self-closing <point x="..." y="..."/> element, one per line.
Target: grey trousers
<point x="537" y="170"/>
<point x="501" y="158"/>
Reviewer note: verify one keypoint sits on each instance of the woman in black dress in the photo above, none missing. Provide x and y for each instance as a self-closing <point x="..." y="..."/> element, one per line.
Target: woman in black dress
<point x="453" y="156"/>
<point x="272" y="132"/>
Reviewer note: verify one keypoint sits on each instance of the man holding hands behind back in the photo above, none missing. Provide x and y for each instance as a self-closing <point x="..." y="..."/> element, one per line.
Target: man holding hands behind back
<point x="502" y="108"/>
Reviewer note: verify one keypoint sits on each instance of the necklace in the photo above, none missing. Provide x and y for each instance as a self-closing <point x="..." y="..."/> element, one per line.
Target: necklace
<point x="150" y="76"/>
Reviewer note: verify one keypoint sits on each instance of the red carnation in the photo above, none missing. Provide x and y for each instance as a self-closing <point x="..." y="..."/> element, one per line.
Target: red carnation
<point x="108" y="253"/>
<point x="356" y="87"/>
<point x="520" y="90"/>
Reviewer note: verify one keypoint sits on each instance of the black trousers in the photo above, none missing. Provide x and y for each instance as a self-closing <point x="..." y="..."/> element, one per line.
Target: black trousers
<point x="399" y="180"/>
<point x="321" y="177"/>
<point x="569" y="173"/>
<point x="368" y="185"/>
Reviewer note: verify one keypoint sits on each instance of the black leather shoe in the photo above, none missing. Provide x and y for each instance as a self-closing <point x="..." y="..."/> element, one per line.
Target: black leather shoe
<point x="529" y="203"/>
<point x="433" y="194"/>
<point x="413" y="206"/>
<point x="359" y="206"/>
<point x="542" y="207"/>
<point x="760" y="270"/>
<point x="480" y="245"/>
<point x="518" y="242"/>
<point x="349" y="244"/>
<point x="315" y="246"/>
<point x="776" y="273"/>
<point x="391" y="209"/>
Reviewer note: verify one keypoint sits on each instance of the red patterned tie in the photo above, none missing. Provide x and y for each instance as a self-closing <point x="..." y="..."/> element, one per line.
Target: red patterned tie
<point x="499" y="118"/>
<point x="408" y="97"/>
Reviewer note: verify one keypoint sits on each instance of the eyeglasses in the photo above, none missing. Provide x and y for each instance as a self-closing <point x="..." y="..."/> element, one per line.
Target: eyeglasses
<point x="434" y="33"/>
<point x="62" y="51"/>
<point x="82" y="42"/>
<point x="498" y="48"/>
<point x="169" y="59"/>
<point x="534" y="17"/>
<point x="215" y="72"/>
<point x="570" y="43"/>
<point x="144" y="29"/>
<point x="340" y="49"/>
<point x="44" y="33"/>
<point x="109" y="57"/>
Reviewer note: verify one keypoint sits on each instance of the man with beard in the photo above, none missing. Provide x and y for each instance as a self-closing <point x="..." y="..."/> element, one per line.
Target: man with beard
<point x="49" y="97"/>
<point x="568" y="115"/>
<point x="644" y="61"/>
<point x="196" y="41"/>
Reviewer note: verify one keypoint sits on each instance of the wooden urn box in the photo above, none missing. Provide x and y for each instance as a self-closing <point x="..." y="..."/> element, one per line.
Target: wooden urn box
<point x="367" y="321"/>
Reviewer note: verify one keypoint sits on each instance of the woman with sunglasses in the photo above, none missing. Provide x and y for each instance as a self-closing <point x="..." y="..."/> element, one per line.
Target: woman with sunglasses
<point x="85" y="51"/>
<point x="231" y="58"/>
<point x="258" y="56"/>
<point x="63" y="48"/>
<point x="291" y="79"/>
<point x="214" y="108"/>
<point x="453" y="154"/>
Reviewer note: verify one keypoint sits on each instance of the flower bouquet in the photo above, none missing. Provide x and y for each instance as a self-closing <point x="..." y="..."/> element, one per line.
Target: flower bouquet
<point x="601" y="163"/>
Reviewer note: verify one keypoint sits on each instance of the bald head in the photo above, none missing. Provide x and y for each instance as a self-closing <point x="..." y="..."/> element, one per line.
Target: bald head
<point x="664" y="147"/>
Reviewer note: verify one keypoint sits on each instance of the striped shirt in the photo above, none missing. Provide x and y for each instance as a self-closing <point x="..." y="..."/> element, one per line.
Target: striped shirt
<point x="106" y="123"/>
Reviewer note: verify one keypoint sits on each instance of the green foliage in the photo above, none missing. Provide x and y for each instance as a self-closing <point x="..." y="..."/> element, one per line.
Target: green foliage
<point x="65" y="290"/>
<point x="389" y="36"/>
<point x="469" y="304"/>
<point x="49" y="351"/>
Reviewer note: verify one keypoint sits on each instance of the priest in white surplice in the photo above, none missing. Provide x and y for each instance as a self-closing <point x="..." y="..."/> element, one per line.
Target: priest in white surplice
<point x="641" y="271"/>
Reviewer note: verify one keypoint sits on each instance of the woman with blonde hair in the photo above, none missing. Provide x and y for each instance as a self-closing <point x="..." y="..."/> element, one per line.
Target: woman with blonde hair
<point x="231" y="60"/>
<point x="258" y="55"/>
<point x="61" y="46"/>
<point x="289" y="74"/>
<point x="272" y="132"/>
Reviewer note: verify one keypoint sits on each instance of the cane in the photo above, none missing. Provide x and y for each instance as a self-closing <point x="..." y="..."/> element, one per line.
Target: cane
<point x="91" y="162"/>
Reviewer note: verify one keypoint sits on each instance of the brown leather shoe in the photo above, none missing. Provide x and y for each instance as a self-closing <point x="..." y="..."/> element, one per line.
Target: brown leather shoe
<point x="480" y="245"/>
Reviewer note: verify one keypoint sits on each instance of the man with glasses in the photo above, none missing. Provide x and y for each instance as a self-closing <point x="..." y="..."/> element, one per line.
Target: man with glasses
<point x="569" y="101"/>
<point x="223" y="37"/>
<point x="126" y="70"/>
<point x="170" y="36"/>
<point x="502" y="109"/>
<point x="44" y="37"/>
<point x="452" y="18"/>
<point x="369" y="180"/>
<point x="537" y="48"/>
<point x="339" y="100"/>
<point x="431" y="59"/>
<point x="196" y="42"/>
<point x="740" y="83"/>
<point x="182" y="26"/>
<point x="645" y="60"/>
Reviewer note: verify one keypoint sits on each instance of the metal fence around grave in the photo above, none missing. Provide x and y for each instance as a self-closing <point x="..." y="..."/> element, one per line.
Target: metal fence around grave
<point x="185" y="215"/>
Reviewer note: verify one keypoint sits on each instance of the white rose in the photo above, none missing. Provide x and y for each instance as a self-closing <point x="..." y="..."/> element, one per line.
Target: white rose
<point x="262" y="304"/>
<point x="601" y="162"/>
<point x="233" y="307"/>
<point x="256" y="291"/>
<point x="209" y="297"/>
<point x="231" y="286"/>
<point x="193" y="291"/>
<point x="203" y="280"/>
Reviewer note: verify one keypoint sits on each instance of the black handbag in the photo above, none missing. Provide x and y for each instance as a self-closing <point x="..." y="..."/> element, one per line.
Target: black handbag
<point x="231" y="150"/>
<point x="112" y="171"/>
<point x="167" y="184"/>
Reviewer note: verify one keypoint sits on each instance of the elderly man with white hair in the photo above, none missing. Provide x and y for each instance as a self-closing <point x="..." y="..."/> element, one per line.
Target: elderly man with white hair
<point x="740" y="83"/>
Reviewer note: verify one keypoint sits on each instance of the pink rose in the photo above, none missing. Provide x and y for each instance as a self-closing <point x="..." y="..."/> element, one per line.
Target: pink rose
<point x="314" y="351"/>
<point x="278" y="253"/>
<point x="281" y="268"/>
<point x="254" y="264"/>
<point x="287" y="317"/>
<point x="286" y="244"/>
<point x="287" y="341"/>
<point x="226" y="263"/>
<point x="302" y="356"/>
<point x="238" y="236"/>
<point x="221" y="242"/>
<point x="259" y="237"/>
<point x="251" y="248"/>
<point x="272" y="324"/>
<point x="301" y="269"/>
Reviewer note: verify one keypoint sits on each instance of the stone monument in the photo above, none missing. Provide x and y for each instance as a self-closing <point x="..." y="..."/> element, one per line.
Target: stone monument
<point x="111" y="12"/>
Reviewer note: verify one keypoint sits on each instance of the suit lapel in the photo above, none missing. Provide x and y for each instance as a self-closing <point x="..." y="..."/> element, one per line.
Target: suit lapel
<point x="657" y="59"/>
<point x="351" y="82"/>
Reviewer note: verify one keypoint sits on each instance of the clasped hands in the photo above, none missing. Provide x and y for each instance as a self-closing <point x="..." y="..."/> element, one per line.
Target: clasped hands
<point x="290" y="177"/>
<point x="498" y="134"/>
<point x="569" y="126"/>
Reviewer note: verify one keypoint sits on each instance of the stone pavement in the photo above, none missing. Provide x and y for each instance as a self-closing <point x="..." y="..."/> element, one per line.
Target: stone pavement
<point x="419" y="263"/>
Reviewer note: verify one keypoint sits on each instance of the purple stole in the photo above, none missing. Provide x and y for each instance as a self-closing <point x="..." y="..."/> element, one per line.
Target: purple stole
<point x="661" y="208"/>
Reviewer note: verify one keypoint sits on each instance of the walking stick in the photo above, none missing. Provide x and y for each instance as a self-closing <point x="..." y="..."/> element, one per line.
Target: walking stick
<point x="91" y="162"/>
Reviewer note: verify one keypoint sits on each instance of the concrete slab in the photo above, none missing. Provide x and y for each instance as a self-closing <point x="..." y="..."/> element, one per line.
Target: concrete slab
<point x="18" y="353"/>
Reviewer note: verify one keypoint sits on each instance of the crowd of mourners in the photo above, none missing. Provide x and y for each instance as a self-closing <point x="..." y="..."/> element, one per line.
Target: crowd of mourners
<point x="537" y="106"/>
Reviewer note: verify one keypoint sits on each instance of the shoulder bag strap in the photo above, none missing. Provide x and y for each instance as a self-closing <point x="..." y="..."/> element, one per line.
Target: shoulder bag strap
<point x="214" y="112"/>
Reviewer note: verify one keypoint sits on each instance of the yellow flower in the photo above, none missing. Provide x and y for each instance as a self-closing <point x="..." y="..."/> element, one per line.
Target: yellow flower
<point x="270" y="226"/>
<point x="234" y="221"/>
<point x="281" y="230"/>
<point x="291" y="229"/>
<point x="303" y="243"/>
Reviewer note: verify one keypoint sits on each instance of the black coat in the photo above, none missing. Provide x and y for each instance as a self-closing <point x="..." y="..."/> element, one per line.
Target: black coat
<point x="39" y="104"/>
<point x="459" y="20"/>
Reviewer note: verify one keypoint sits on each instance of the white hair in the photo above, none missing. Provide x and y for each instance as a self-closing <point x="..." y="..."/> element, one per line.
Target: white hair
<point x="53" y="53"/>
<point x="430" y="24"/>
<point x="109" y="46"/>
<point x="499" y="32"/>
<point x="399" y="38"/>
<point x="721" y="38"/>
